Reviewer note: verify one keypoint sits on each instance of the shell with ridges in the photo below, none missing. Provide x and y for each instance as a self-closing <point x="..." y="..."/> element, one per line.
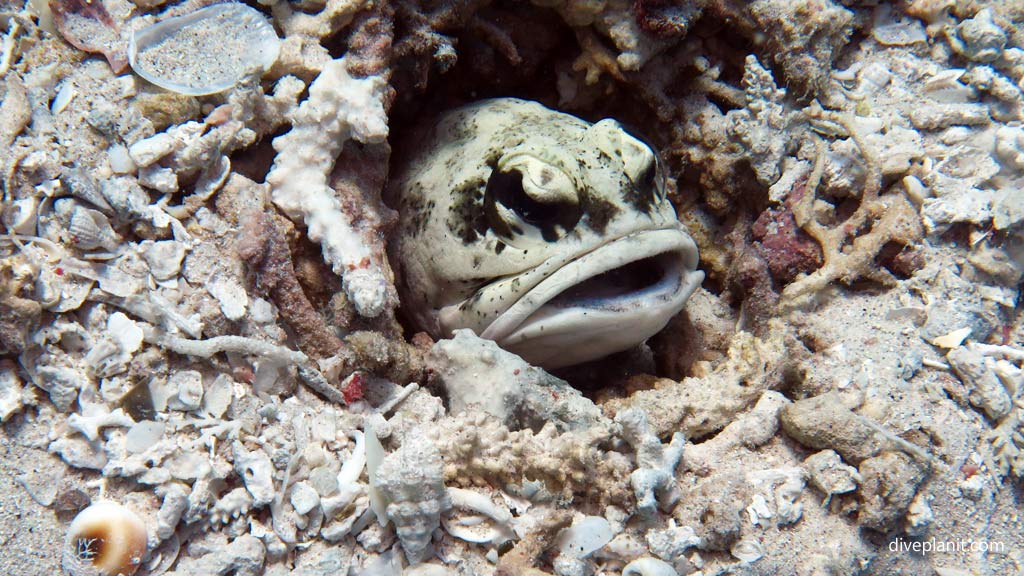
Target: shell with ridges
<point x="105" y="539"/>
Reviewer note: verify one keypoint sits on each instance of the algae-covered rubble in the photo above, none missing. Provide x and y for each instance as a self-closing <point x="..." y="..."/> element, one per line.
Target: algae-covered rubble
<point x="199" y="322"/>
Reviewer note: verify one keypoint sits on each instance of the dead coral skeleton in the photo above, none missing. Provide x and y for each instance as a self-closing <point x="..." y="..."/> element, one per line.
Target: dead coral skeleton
<point x="849" y="252"/>
<point x="478" y="449"/>
<point x="264" y="248"/>
<point x="520" y="561"/>
<point x="339" y="108"/>
<point x="240" y="344"/>
<point x="654" y="480"/>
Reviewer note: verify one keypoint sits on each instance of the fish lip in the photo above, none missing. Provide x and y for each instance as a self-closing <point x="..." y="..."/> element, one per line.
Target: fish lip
<point x="607" y="257"/>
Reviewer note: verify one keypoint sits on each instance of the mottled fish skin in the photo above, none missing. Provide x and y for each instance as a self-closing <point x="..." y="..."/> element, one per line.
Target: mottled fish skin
<point x="508" y="204"/>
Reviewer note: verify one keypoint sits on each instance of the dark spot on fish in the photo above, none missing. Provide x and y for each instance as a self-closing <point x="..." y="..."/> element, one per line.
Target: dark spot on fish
<point x="466" y="218"/>
<point x="600" y="212"/>
<point x="638" y="195"/>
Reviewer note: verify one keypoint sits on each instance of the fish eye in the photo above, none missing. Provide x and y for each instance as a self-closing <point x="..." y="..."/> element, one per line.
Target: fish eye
<point x="646" y="179"/>
<point x="511" y="209"/>
<point x="651" y="181"/>
<point x="508" y="190"/>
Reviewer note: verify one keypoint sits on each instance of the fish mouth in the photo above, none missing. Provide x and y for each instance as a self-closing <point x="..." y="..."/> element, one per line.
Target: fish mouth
<point x="604" y="301"/>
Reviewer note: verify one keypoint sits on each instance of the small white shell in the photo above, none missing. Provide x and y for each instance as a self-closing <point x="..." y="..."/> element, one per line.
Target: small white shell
<point x="105" y="539"/>
<point x="90" y="229"/>
<point x="649" y="567"/>
<point x="20" y="216"/>
<point x="164" y="258"/>
<point x="149" y="150"/>
<point x="119" y="159"/>
<point x="587" y="534"/>
<point x="204" y="52"/>
<point x="63" y="98"/>
<point x="61" y="292"/>
<point x="747" y="550"/>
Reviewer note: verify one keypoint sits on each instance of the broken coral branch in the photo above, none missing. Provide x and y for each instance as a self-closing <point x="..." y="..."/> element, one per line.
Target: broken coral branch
<point x="339" y="108"/>
<point x="889" y="218"/>
<point x="265" y="250"/>
<point x="242" y="345"/>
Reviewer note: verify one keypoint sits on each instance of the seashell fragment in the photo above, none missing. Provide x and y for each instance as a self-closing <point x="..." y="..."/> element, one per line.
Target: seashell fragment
<point x="143" y="435"/>
<point x="475" y="527"/>
<point x="894" y="30"/>
<point x="204" y="52"/>
<point x="88" y="26"/>
<point x="147" y="151"/>
<point x="105" y="539"/>
<point x="90" y="229"/>
<point x="747" y="550"/>
<point x="649" y="566"/>
<point x="411" y="480"/>
<point x="81" y="185"/>
<point x="164" y="258"/>
<point x="587" y="534"/>
<point x="19" y="216"/>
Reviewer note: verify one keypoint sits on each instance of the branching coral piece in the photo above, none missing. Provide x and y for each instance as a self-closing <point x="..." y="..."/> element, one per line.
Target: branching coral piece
<point x="242" y="345"/>
<point x="1005" y="443"/>
<point x="759" y="125"/>
<point x="339" y="108"/>
<point x="711" y="398"/>
<point x="265" y="250"/>
<point x="654" y="480"/>
<point x="335" y="15"/>
<point x="891" y="218"/>
<point x="595" y="58"/>
<point x="370" y="45"/>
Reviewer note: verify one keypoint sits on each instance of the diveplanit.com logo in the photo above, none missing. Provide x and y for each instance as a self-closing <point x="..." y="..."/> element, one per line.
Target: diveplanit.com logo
<point x="933" y="545"/>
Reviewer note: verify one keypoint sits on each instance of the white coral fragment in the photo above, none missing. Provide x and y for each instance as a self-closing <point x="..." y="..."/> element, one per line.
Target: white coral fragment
<point x="784" y="486"/>
<point x="828" y="473"/>
<point x="339" y="107"/>
<point x="519" y="394"/>
<point x="411" y="479"/>
<point x="475" y="527"/>
<point x="149" y="150"/>
<point x="230" y="294"/>
<point x="654" y="479"/>
<point x="90" y="425"/>
<point x="163" y="257"/>
<point x="977" y="373"/>
<point x="980" y="38"/>
<point x="256" y="471"/>
<point x="12" y="393"/>
<point x="758" y="126"/>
